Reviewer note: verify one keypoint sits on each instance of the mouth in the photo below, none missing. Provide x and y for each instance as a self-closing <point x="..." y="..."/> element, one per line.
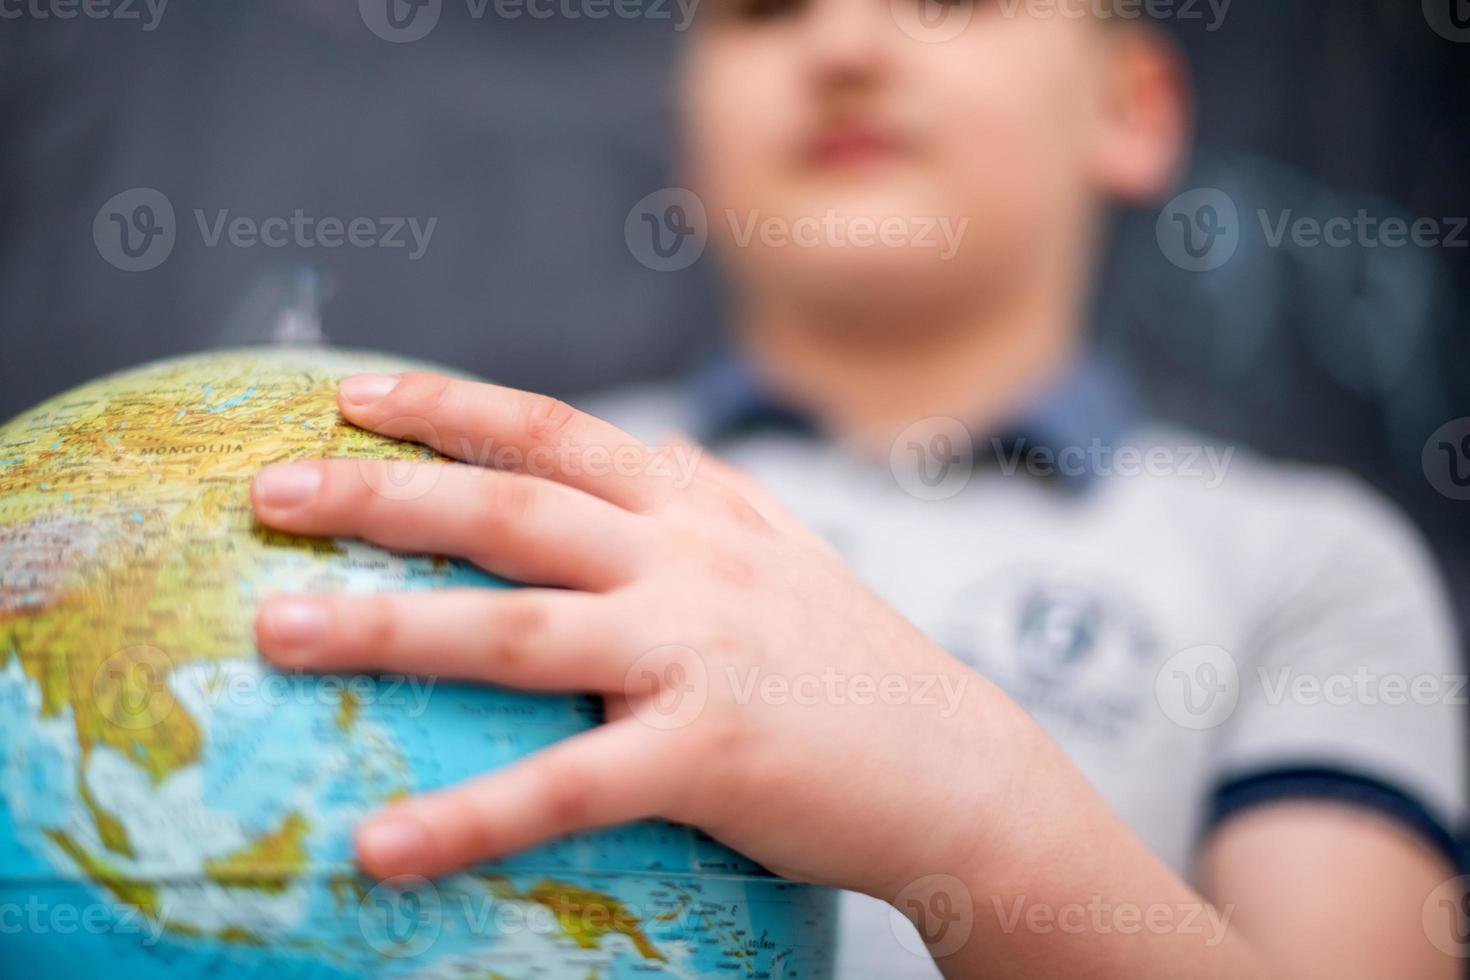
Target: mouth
<point x="848" y="146"/>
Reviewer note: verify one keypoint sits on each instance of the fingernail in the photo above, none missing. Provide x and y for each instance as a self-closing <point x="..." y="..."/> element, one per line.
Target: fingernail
<point x="364" y="389"/>
<point x="293" y="620"/>
<point x="287" y="484"/>
<point x="392" y="841"/>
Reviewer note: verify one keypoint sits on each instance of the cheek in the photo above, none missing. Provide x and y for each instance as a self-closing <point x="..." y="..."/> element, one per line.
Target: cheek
<point x="738" y="121"/>
<point x="1009" y="149"/>
<point x="1005" y="162"/>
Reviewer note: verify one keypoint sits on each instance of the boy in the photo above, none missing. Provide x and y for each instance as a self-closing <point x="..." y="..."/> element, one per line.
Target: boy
<point x="1053" y="714"/>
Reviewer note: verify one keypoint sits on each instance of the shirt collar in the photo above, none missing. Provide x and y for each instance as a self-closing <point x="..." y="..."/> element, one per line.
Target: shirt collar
<point x="1091" y="404"/>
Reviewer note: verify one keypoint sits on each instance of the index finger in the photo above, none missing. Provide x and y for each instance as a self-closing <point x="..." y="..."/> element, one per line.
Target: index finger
<point x="490" y="425"/>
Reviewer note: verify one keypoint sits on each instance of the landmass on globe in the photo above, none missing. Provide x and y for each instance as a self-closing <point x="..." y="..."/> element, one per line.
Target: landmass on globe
<point x="196" y="807"/>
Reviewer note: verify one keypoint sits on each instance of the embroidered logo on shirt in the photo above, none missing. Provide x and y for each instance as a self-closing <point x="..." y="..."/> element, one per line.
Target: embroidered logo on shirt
<point x="1065" y="646"/>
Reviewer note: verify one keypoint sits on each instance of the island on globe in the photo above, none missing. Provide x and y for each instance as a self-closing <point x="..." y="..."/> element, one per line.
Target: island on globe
<point x="170" y="806"/>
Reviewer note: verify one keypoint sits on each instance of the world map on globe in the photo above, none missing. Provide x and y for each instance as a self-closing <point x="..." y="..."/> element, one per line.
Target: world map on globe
<point x="171" y="806"/>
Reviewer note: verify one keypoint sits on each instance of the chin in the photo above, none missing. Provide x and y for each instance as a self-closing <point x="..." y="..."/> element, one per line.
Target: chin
<point x="883" y="286"/>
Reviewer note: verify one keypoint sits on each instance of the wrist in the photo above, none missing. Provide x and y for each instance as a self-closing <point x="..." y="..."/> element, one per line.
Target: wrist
<point x="998" y="786"/>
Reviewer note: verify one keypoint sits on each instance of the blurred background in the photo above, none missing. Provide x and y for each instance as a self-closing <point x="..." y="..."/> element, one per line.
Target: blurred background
<point x="527" y="141"/>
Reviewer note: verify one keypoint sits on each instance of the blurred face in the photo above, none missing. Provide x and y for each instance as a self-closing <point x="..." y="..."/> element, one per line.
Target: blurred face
<point x="882" y="154"/>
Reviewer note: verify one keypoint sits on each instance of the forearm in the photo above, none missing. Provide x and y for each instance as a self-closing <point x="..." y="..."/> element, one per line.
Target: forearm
<point x="1062" y="887"/>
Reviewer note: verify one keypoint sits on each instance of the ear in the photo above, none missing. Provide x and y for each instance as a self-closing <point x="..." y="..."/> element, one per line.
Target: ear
<point x="1145" y="115"/>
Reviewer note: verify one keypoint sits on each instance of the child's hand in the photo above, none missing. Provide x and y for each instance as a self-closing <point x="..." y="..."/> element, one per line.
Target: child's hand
<point x="754" y="687"/>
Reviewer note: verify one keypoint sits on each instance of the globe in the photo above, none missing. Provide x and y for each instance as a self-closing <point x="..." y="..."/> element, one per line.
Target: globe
<point x="172" y="806"/>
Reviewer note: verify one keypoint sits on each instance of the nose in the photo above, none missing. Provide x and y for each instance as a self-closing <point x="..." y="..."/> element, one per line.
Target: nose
<point x="847" y="40"/>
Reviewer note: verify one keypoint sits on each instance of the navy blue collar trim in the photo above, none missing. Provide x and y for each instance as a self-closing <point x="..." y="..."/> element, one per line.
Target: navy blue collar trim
<point x="1090" y="404"/>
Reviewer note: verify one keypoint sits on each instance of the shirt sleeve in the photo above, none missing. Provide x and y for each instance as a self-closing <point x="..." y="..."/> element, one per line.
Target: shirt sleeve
<point x="1352" y="684"/>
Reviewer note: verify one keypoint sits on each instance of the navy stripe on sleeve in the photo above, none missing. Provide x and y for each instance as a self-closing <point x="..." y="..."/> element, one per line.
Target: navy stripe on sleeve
<point x="1343" y="786"/>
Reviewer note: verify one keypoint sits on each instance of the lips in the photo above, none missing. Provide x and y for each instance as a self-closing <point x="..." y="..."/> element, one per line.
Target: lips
<point x="852" y="146"/>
